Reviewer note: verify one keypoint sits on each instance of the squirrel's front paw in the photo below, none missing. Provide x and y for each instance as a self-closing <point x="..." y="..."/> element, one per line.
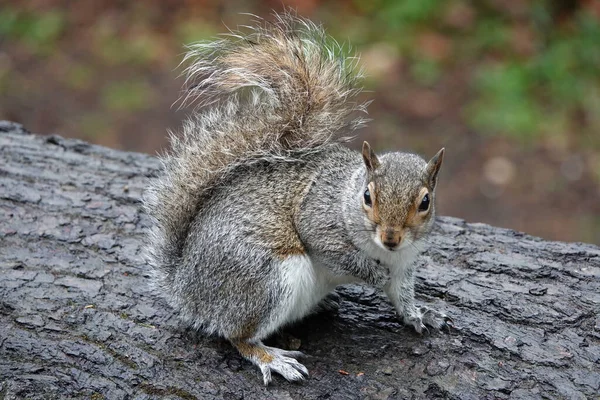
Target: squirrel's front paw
<point x="423" y="317"/>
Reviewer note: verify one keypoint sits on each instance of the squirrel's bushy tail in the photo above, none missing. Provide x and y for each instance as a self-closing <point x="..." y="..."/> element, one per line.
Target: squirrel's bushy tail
<point x="278" y="92"/>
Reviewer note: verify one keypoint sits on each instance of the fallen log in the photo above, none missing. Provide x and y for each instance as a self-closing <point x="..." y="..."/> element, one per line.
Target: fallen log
<point x="78" y="320"/>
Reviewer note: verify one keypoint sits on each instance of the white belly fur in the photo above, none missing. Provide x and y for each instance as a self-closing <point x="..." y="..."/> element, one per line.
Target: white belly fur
<point x="306" y="284"/>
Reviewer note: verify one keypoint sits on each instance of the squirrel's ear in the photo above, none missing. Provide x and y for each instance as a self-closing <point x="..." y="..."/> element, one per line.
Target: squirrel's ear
<point x="433" y="167"/>
<point x="369" y="157"/>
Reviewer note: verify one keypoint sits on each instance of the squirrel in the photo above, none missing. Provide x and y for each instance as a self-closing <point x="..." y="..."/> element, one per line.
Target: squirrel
<point x="260" y="211"/>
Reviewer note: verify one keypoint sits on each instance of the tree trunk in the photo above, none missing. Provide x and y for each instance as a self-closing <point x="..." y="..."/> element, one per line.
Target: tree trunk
<point x="78" y="319"/>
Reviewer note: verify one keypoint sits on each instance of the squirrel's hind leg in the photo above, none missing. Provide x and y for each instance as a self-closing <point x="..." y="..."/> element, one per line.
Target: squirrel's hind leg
<point x="271" y="359"/>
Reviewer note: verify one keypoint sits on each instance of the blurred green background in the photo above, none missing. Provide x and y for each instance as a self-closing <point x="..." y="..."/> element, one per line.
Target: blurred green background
<point x="511" y="88"/>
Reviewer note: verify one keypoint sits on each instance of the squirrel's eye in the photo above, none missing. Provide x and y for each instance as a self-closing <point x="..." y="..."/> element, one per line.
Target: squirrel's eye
<point x="424" y="206"/>
<point x="367" y="198"/>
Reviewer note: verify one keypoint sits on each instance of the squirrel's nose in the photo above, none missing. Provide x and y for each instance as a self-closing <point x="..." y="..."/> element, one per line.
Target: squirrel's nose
<point x="390" y="244"/>
<point x="391" y="239"/>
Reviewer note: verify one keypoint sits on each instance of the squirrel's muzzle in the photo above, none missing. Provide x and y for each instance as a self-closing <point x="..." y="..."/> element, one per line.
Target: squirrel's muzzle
<point x="391" y="237"/>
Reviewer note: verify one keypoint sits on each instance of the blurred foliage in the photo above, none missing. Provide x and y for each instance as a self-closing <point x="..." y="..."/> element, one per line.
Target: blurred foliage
<point x="38" y="31"/>
<point x="548" y="92"/>
<point x="127" y="96"/>
<point x="536" y="63"/>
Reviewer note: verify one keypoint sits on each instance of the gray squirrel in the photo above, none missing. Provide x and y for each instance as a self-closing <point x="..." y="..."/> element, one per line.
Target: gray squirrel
<point x="260" y="211"/>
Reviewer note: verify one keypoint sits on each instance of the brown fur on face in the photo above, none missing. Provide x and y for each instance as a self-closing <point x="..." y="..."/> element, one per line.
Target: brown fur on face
<point x="411" y="221"/>
<point x="372" y="210"/>
<point x="397" y="184"/>
<point x="417" y="221"/>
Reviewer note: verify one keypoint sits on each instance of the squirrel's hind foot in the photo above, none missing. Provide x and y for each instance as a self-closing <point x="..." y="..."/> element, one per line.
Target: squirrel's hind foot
<point x="271" y="359"/>
<point x="285" y="364"/>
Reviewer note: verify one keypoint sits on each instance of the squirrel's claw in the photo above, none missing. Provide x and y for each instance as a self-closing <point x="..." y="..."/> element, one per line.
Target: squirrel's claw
<point x="284" y="363"/>
<point x="272" y="359"/>
<point x="448" y="322"/>
<point x="433" y="318"/>
<point x="416" y="322"/>
<point x="424" y="317"/>
<point x="266" y="372"/>
<point x="287" y="367"/>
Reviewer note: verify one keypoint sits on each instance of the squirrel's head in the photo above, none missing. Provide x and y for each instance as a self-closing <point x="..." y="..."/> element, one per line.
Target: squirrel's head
<point x="398" y="196"/>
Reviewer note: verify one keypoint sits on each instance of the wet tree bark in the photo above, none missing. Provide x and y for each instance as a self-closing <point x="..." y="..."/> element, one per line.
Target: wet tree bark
<point x="78" y="320"/>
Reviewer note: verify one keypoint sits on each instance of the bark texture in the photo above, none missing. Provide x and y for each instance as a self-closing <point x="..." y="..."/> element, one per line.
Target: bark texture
<point x="78" y="320"/>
